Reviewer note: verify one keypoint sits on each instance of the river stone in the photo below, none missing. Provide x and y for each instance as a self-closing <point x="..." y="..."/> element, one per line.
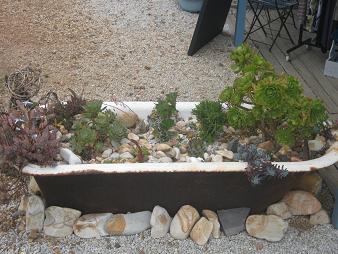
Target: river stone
<point x="128" y="224"/>
<point x="126" y="155"/>
<point x="226" y="154"/>
<point x="69" y="156"/>
<point x="301" y="203"/>
<point x="23" y="205"/>
<point x="183" y="222"/>
<point x="319" y="218"/>
<point x="160" y="154"/>
<point x="91" y="225"/>
<point x="233" y="220"/>
<point x="177" y="153"/>
<point x="212" y="217"/>
<point x="216" y="158"/>
<point x="201" y="231"/>
<point x="59" y="221"/>
<point x="106" y="153"/>
<point x="267" y="146"/>
<point x="133" y="136"/>
<point x="268" y="227"/>
<point x="317" y="144"/>
<point x="35" y="213"/>
<point x="280" y="209"/>
<point x="160" y="222"/>
<point x="163" y="147"/>
<point x="33" y="186"/>
<point x="114" y="156"/>
<point x="165" y="160"/>
<point x="128" y="119"/>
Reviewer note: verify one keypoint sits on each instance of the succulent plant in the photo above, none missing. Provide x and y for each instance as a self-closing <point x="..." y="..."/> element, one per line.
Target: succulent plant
<point x="276" y="104"/>
<point x="259" y="164"/>
<point x="163" y="117"/>
<point x="196" y="147"/>
<point x="26" y="136"/>
<point x="211" y="119"/>
<point x="97" y="126"/>
<point x="64" y="112"/>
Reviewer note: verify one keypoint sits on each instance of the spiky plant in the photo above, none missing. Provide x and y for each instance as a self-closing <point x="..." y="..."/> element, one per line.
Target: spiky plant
<point x="196" y="147"/>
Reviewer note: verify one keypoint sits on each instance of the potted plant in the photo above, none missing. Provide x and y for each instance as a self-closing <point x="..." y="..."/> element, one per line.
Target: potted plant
<point x="243" y="150"/>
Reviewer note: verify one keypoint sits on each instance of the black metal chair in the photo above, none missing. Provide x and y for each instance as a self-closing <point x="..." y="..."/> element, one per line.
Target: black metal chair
<point x="283" y="9"/>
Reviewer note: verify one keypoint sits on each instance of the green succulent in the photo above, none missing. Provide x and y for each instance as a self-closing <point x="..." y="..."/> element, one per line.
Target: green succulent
<point x="277" y="106"/>
<point x="97" y="126"/>
<point x="196" y="147"/>
<point x="163" y="117"/>
<point x="211" y="119"/>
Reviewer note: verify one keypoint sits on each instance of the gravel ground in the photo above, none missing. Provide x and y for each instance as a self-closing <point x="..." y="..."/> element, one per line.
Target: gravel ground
<point x="135" y="50"/>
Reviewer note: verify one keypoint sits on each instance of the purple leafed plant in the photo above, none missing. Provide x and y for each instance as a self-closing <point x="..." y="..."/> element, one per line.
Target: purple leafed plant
<point x="26" y="136"/>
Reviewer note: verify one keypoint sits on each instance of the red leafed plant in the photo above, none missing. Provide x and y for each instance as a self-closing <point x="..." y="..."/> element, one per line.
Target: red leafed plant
<point x="26" y="136"/>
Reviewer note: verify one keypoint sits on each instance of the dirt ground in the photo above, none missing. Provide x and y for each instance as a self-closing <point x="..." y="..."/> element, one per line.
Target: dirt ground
<point x="135" y="50"/>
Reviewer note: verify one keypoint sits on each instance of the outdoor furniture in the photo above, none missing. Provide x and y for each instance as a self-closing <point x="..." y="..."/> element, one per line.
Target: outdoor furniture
<point x="211" y="21"/>
<point x="282" y="8"/>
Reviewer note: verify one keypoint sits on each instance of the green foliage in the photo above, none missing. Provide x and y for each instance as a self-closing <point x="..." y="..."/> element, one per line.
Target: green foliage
<point x="211" y="119"/>
<point x="277" y="106"/>
<point x="95" y="128"/>
<point x="164" y="116"/>
<point x="196" y="147"/>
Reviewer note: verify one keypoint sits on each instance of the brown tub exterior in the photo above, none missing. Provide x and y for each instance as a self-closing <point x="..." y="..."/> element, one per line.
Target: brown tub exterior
<point x="132" y="192"/>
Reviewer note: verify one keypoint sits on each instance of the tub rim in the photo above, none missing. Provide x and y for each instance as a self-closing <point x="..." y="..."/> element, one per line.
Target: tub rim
<point x="143" y="109"/>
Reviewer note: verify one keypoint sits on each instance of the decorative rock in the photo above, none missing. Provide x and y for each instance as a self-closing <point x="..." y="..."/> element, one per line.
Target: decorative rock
<point x="233" y="220"/>
<point x="201" y="232"/>
<point x="126" y="156"/>
<point x="114" y="156"/>
<point x="165" y="160"/>
<point x="163" y="147"/>
<point x="124" y="148"/>
<point x="23" y="205"/>
<point x="335" y="134"/>
<point x="280" y="209"/>
<point x="33" y="186"/>
<point x="107" y="153"/>
<point x="217" y="158"/>
<point x="212" y="217"/>
<point x="177" y="153"/>
<point x="124" y="141"/>
<point x="128" y="224"/>
<point x="268" y="227"/>
<point x="35" y="213"/>
<point x="160" y="154"/>
<point x="171" y="153"/>
<point x="91" y="225"/>
<point x="285" y="150"/>
<point x="133" y="136"/>
<point x="128" y="119"/>
<point x="59" y="221"/>
<point x="320" y="218"/>
<point x="301" y="203"/>
<point x="316" y="144"/>
<point x="183" y="158"/>
<point x="267" y="146"/>
<point x="160" y="222"/>
<point x="310" y="182"/>
<point x="115" y="144"/>
<point x="194" y="159"/>
<point x="183" y="222"/>
<point x="226" y="154"/>
<point x="183" y="149"/>
<point x="58" y="135"/>
<point x="69" y="156"/>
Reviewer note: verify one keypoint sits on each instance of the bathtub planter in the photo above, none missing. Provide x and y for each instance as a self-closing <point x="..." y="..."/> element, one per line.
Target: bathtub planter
<point x="132" y="187"/>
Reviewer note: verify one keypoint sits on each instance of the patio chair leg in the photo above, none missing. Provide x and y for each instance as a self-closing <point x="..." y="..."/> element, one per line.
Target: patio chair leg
<point x="335" y="212"/>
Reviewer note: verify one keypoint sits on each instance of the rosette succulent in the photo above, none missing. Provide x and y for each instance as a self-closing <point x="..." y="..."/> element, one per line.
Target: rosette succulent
<point x="272" y="103"/>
